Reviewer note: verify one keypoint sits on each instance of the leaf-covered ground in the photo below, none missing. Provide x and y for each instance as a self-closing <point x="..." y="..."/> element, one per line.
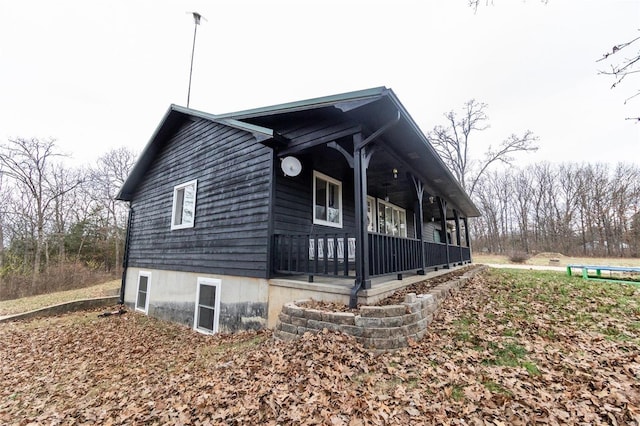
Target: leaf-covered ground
<point x="513" y="347"/>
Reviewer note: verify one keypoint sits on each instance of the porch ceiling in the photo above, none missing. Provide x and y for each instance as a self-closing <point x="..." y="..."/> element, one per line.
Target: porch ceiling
<point x="407" y="149"/>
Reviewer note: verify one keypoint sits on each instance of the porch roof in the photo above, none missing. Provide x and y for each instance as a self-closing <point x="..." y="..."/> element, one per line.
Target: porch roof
<point x="370" y="109"/>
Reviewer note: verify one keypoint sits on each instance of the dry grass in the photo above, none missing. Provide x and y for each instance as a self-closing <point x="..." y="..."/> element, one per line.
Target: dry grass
<point x="25" y="304"/>
<point x="544" y="259"/>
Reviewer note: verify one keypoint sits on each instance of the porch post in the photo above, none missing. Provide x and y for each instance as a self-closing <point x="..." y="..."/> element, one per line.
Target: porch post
<point x="466" y="235"/>
<point x="456" y="217"/>
<point x="419" y="187"/>
<point x="360" y="161"/>
<point x="442" y="206"/>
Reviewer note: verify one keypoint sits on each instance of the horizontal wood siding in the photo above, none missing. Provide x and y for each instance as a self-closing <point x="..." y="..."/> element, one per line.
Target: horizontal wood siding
<point x="429" y="229"/>
<point x="230" y="234"/>
<point x="293" y="211"/>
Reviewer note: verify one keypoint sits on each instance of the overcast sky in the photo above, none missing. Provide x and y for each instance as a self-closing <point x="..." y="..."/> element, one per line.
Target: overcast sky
<point x="97" y="75"/>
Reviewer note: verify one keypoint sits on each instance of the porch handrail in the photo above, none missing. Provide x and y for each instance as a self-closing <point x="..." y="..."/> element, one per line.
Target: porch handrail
<point x="389" y="254"/>
<point x="306" y="254"/>
<point x="333" y="254"/>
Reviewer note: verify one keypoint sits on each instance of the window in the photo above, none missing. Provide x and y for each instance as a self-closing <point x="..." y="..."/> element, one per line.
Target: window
<point x="371" y="214"/>
<point x="392" y="220"/>
<point x="207" y="305"/>
<point x="184" y="205"/>
<point x="142" y="298"/>
<point x="327" y="200"/>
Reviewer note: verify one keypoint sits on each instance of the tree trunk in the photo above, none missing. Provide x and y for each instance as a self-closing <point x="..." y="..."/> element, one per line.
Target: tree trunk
<point x="1" y="247"/>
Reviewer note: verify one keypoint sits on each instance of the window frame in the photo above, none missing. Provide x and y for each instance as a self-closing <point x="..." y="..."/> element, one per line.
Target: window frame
<point x="145" y="308"/>
<point x="400" y="210"/>
<point x="217" y="284"/>
<point x="372" y="221"/>
<point x="336" y="182"/>
<point x="174" y="206"/>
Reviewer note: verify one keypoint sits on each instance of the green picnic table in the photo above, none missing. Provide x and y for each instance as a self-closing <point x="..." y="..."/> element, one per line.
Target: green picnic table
<point x="598" y="271"/>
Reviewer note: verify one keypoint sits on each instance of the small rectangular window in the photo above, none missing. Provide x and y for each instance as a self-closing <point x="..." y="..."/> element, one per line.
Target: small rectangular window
<point x="142" y="294"/>
<point x="327" y="200"/>
<point x="184" y="205"/>
<point x="207" y="305"/>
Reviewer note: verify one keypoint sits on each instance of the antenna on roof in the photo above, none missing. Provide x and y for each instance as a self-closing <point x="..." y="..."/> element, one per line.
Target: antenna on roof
<point x="196" y="20"/>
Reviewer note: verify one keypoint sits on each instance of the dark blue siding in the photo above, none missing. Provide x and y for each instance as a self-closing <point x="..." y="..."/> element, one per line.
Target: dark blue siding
<point x="230" y="235"/>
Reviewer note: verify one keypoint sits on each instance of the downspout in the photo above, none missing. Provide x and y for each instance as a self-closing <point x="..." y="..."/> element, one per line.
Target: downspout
<point x="125" y="256"/>
<point x="361" y="162"/>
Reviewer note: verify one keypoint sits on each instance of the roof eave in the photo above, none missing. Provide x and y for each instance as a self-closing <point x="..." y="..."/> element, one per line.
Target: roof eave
<point x="416" y="129"/>
<point x="333" y="100"/>
<point x="262" y="135"/>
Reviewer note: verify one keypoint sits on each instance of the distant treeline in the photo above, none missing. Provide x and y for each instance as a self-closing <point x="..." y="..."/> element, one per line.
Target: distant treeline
<point x="60" y="226"/>
<point x="573" y="209"/>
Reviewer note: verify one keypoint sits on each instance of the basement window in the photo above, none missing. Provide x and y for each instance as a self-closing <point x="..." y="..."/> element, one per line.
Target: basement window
<point x="207" y="305"/>
<point x="184" y="205"/>
<point x="327" y="200"/>
<point x="142" y="293"/>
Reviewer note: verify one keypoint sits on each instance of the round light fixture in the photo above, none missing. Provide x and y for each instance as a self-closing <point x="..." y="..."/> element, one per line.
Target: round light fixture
<point x="291" y="166"/>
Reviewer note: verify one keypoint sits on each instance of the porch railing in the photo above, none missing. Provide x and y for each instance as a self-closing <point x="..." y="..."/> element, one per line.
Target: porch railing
<point x="306" y="254"/>
<point x="334" y="254"/>
<point x="389" y="255"/>
<point x="435" y="254"/>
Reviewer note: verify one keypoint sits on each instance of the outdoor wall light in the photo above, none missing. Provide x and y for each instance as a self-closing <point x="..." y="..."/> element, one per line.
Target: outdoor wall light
<point x="395" y="173"/>
<point x="431" y="199"/>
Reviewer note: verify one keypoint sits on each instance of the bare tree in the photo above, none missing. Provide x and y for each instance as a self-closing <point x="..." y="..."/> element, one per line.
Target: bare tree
<point x="522" y="205"/>
<point x="28" y="162"/>
<point x="452" y="142"/>
<point x="474" y="4"/>
<point x="626" y="66"/>
<point x="108" y="176"/>
<point x="64" y="182"/>
<point x="4" y="202"/>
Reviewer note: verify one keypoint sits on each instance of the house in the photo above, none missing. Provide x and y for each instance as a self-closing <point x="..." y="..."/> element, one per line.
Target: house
<point x="233" y="214"/>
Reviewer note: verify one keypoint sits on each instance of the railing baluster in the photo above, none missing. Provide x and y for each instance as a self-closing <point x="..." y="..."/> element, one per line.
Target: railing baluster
<point x="335" y="254"/>
<point x="315" y="253"/>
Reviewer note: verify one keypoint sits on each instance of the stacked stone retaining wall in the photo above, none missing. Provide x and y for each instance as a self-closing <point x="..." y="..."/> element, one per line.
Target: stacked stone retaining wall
<point x="375" y="327"/>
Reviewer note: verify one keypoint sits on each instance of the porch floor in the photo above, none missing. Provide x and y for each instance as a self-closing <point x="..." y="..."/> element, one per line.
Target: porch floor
<point x="328" y="288"/>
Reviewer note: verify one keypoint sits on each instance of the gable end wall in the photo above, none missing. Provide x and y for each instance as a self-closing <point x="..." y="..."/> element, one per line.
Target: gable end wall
<point x="230" y="235"/>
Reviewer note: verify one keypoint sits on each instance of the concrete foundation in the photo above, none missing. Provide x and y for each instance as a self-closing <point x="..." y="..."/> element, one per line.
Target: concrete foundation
<point x="249" y="303"/>
<point x="172" y="297"/>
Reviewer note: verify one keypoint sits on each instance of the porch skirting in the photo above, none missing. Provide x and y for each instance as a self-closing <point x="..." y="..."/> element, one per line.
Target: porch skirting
<point x="379" y="328"/>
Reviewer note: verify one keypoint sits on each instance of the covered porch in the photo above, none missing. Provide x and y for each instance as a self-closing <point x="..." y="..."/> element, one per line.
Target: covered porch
<point x="359" y="192"/>
<point x="375" y="213"/>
